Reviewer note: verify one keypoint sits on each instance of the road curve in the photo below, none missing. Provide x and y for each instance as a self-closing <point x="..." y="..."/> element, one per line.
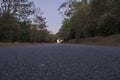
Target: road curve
<point x="59" y="62"/>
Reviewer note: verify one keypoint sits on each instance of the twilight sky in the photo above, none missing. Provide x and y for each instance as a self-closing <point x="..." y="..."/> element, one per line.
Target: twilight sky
<point x="53" y="18"/>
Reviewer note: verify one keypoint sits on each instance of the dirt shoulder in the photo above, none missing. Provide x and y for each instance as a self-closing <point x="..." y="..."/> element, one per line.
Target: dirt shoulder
<point x="8" y="44"/>
<point x="113" y="41"/>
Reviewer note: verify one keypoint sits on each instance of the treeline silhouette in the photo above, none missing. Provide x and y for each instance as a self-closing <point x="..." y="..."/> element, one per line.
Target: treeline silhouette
<point x="89" y="18"/>
<point x="21" y="21"/>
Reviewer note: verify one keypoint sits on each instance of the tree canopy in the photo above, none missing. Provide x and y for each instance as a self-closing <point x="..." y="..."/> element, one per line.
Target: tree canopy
<point x="89" y="18"/>
<point x="16" y="24"/>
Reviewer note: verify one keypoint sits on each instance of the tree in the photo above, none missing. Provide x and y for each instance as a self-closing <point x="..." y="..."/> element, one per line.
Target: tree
<point x="9" y="28"/>
<point x="24" y="31"/>
<point x="91" y="18"/>
<point x="64" y="31"/>
<point x="39" y="33"/>
<point x="15" y="24"/>
<point x="106" y="15"/>
<point x="14" y="19"/>
<point x="77" y="13"/>
<point x="19" y="8"/>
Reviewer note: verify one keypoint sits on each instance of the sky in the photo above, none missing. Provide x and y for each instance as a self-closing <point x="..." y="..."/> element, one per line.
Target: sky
<point x="49" y="8"/>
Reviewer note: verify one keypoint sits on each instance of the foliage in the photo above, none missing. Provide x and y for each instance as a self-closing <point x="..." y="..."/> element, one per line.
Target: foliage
<point x="15" y="24"/>
<point x="9" y="28"/>
<point x="39" y="33"/>
<point x="89" y="18"/>
<point x="19" y="8"/>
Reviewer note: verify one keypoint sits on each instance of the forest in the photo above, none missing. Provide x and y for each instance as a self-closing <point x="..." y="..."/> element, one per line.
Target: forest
<point x="89" y="18"/>
<point x="21" y="21"/>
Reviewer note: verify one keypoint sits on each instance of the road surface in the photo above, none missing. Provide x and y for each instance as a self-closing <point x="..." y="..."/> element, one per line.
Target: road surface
<point x="59" y="62"/>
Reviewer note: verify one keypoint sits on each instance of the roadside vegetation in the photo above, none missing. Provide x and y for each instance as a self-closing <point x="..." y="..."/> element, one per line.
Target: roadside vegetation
<point x="88" y="19"/>
<point x="21" y="21"/>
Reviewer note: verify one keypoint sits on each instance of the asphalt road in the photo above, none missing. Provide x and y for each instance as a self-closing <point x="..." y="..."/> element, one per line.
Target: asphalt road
<point x="59" y="62"/>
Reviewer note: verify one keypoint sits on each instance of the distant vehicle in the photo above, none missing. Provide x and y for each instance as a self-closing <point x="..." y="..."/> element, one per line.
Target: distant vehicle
<point x="59" y="41"/>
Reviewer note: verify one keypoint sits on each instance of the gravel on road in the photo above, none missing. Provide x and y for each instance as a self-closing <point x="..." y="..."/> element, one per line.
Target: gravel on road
<point x="59" y="62"/>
